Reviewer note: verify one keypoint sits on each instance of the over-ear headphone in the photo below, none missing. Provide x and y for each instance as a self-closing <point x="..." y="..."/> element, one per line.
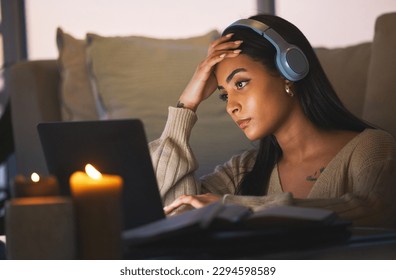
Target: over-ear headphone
<point x="290" y="60"/>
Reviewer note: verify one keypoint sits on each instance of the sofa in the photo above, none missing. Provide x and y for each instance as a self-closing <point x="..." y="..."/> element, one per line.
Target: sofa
<point x="100" y="78"/>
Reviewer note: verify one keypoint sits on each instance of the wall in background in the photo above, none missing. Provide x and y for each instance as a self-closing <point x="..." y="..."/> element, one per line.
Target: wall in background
<point x="330" y="23"/>
<point x="158" y="18"/>
<point x="334" y="23"/>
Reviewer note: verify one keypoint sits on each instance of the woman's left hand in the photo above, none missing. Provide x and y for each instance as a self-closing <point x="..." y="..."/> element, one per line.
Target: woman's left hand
<point x="196" y="201"/>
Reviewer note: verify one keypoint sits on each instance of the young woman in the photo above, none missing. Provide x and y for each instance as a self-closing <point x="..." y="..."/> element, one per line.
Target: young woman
<point x="313" y="152"/>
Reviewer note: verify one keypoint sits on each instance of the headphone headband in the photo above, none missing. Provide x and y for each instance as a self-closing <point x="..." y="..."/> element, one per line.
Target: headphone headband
<point x="290" y="60"/>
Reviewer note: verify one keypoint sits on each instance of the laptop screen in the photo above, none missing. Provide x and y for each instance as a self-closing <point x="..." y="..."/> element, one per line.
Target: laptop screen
<point x="114" y="147"/>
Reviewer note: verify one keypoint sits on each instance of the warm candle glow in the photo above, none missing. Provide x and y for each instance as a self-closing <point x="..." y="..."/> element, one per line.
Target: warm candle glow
<point x="97" y="200"/>
<point x="34" y="185"/>
<point x="35" y="177"/>
<point x="92" y="172"/>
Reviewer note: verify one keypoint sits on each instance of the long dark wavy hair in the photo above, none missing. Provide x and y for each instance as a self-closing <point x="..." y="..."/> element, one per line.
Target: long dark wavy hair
<point x="315" y="93"/>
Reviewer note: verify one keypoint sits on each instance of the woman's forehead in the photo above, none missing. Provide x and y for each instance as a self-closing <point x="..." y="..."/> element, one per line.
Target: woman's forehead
<point x="229" y="65"/>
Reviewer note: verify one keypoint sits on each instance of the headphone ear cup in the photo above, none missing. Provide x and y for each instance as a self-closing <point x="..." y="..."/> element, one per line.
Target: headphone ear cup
<point x="292" y="63"/>
<point x="290" y="60"/>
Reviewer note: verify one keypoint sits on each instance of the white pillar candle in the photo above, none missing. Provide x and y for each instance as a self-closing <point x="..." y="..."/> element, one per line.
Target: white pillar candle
<point x="97" y="198"/>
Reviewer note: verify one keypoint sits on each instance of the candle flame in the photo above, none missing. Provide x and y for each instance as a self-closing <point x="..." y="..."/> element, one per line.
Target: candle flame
<point x="92" y="172"/>
<point x="35" y="177"/>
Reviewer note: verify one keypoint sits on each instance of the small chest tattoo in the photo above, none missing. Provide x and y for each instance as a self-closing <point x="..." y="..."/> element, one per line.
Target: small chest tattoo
<point x="315" y="176"/>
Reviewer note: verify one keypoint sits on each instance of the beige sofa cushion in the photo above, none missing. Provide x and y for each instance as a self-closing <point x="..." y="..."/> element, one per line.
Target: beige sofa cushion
<point x="346" y="69"/>
<point x="381" y="91"/>
<point x="138" y="77"/>
<point x="77" y="102"/>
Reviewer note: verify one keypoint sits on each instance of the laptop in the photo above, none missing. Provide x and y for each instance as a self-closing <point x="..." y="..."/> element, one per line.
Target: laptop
<point x="113" y="147"/>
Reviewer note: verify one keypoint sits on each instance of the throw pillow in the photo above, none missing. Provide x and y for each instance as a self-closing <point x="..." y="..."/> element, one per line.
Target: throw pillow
<point x="77" y="101"/>
<point x="380" y="95"/>
<point x="139" y="77"/>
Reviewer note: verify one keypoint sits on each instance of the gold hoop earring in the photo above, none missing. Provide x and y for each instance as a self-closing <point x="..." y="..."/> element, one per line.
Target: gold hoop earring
<point x="289" y="91"/>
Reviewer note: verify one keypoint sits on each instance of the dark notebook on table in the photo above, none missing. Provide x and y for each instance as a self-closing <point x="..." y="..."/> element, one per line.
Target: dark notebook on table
<point x="113" y="147"/>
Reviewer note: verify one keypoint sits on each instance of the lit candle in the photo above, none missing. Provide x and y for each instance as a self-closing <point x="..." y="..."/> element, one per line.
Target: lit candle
<point x="97" y="198"/>
<point x="35" y="186"/>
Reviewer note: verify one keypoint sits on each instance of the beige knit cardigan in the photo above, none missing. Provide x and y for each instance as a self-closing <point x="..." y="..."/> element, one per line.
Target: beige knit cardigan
<point x="359" y="183"/>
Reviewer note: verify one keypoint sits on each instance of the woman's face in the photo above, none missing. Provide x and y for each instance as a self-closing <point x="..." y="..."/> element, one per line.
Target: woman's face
<point x="256" y="100"/>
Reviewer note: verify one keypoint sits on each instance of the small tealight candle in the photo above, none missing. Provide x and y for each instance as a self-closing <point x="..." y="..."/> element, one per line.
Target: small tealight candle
<point x="35" y="186"/>
<point x="97" y="198"/>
